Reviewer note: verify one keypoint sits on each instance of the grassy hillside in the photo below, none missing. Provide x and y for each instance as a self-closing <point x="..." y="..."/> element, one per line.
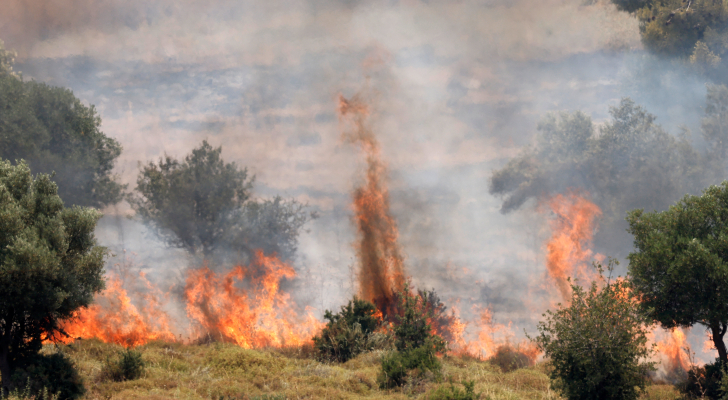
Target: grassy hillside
<point x="223" y="371"/>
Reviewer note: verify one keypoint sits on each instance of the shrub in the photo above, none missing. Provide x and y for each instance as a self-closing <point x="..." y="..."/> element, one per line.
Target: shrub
<point x="417" y="346"/>
<point x="597" y="344"/>
<point x="128" y="367"/>
<point x="397" y="366"/>
<point x="412" y="328"/>
<point x="703" y="382"/>
<point x="508" y="358"/>
<point x="349" y="332"/>
<point x="452" y="392"/>
<point x="43" y="374"/>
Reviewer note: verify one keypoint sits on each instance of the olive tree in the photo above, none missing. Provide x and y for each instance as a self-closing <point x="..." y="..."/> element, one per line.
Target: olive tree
<point x="54" y="132"/>
<point x="50" y="265"/>
<point x="202" y="204"/>
<point x="679" y="267"/>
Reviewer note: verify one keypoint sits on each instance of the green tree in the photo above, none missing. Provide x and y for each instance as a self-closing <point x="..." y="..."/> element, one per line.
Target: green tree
<point x="53" y="131"/>
<point x="50" y="265"/>
<point x="626" y="163"/>
<point x="694" y="30"/>
<point x="203" y="204"/>
<point x="597" y="344"/>
<point x="679" y="269"/>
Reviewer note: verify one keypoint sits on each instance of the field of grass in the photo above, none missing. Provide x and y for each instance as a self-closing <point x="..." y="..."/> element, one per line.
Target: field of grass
<point x="224" y="371"/>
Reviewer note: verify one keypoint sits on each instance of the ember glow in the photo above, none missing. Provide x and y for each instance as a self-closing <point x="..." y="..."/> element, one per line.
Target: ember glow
<point x="259" y="316"/>
<point x="381" y="263"/>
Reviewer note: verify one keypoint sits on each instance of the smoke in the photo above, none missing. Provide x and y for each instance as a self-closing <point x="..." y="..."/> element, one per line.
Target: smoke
<point x="459" y="87"/>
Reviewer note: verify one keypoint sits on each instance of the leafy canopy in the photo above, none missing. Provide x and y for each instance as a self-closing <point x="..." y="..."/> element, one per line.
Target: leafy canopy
<point x="679" y="268"/>
<point x="695" y="30"/>
<point x="597" y="344"/>
<point x="54" y="132"/>
<point x="50" y="265"/>
<point x="416" y="341"/>
<point x="348" y="332"/>
<point x="202" y="204"/>
<point x="626" y="163"/>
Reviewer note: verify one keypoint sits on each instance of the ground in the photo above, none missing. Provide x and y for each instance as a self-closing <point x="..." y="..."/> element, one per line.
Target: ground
<point x="225" y="371"/>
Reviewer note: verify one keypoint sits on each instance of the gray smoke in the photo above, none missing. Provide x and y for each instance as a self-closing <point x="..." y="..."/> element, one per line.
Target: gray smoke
<point x="458" y="89"/>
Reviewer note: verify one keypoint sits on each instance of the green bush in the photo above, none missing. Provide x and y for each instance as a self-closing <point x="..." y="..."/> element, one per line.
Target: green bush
<point x="417" y="346"/>
<point x="349" y="332"/>
<point x="452" y="392"/>
<point x="412" y="328"/>
<point x="597" y="345"/>
<point x="128" y="367"/>
<point x="397" y="366"/>
<point x="42" y="375"/>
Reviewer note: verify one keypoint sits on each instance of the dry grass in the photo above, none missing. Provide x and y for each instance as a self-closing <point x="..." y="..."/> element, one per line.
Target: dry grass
<point x="224" y="371"/>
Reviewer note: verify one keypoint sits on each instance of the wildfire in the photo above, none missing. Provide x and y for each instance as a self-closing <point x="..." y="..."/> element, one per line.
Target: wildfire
<point x="381" y="262"/>
<point x="115" y="318"/>
<point x="260" y="316"/>
<point x="672" y="352"/>
<point x="567" y="251"/>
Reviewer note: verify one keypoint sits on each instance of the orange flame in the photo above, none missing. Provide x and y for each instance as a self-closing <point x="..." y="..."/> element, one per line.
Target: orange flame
<point x="490" y="338"/>
<point x="261" y="316"/>
<point x="671" y="351"/>
<point x="116" y="318"/>
<point x="567" y="249"/>
<point x="381" y="263"/>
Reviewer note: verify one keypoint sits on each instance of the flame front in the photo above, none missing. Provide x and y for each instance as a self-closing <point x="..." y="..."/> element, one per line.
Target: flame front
<point x="381" y="262"/>
<point x="115" y="318"/>
<point x="567" y="251"/>
<point x="260" y="316"/>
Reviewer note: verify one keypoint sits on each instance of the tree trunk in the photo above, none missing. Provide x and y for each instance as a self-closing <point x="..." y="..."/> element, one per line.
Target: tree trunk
<point x="718" y="330"/>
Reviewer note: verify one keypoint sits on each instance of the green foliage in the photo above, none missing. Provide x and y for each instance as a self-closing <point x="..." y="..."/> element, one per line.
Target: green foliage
<point x="597" y="344"/>
<point x="416" y="343"/>
<point x="626" y="163"/>
<point x="696" y="30"/>
<point x="50" y="265"/>
<point x="723" y="384"/>
<point x="202" y="205"/>
<point x="127" y="367"/>
<point x="54" y="132"/>
<point x="703" y="382"/>
<point x="398" y="366"/>
<point x="452" y="392"/>
<point x="679" y="268"/>
<point x="412" y="328"/>
<point x="347" y="333"/>
<point x="54" y="374"/>
<point x="7" y="59"/>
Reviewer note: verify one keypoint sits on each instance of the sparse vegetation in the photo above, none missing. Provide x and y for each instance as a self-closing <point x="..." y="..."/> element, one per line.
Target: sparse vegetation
<point x="218" y="370"/>
<point x="452" y="392"/>
<point x="128" y="366"/>
<point x="509" y="358"/>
